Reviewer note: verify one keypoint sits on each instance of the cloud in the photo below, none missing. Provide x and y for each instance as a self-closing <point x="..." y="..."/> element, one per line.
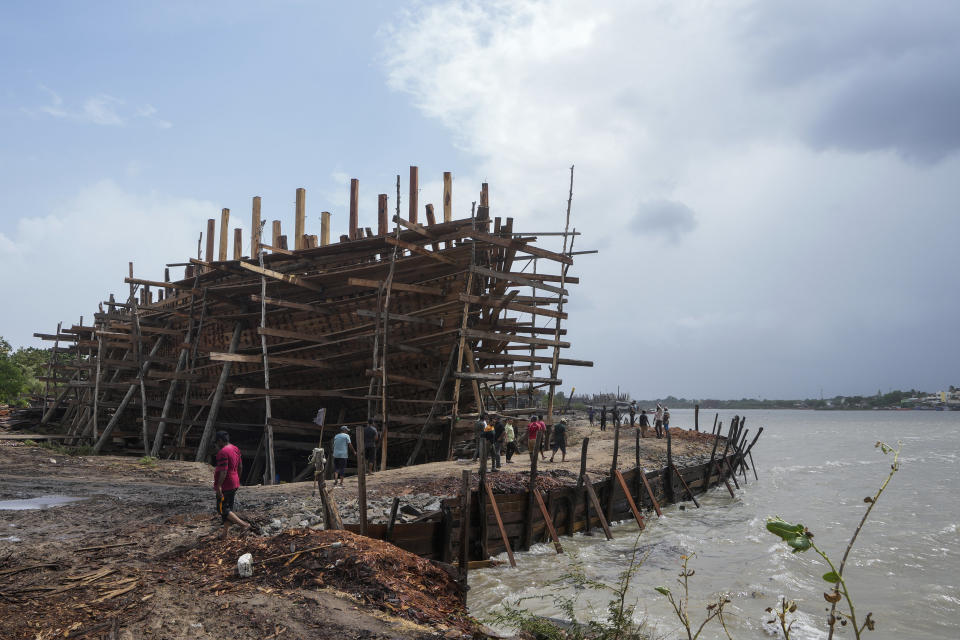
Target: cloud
<point x="83" y="244"/>
<point x="101" y="109"/>
<point x="664" y="218"/>
<point x="803" y="152"/>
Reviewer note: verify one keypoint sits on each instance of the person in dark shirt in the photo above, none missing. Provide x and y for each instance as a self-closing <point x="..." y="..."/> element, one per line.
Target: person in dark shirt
<point x="371" y="438"/>
<point x="603" y="418"/>
<point x="499" y="434"/>
<point x="590" y="412"/>
<point x="644" y="422"/>
<point x="489" y="439"/>
<point x="560" y="440"/>
<point x="226" y="481"/>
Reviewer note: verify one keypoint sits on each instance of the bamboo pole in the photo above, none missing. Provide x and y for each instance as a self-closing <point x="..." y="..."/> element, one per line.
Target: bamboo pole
<point x="210" y="426"/>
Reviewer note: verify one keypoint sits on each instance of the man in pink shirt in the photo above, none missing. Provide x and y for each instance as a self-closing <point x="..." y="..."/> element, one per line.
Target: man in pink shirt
<point x="226" y="481"/>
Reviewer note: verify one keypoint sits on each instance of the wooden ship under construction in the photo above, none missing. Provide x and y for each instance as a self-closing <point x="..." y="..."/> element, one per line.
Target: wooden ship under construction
<point x="418" y="325"/>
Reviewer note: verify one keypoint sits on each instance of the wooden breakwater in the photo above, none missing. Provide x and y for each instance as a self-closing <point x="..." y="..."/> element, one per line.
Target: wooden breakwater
<point x="570" y="510"/>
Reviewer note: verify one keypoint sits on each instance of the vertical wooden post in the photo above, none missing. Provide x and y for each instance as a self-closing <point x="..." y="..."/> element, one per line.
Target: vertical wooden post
<point x="447" y="196"/>
<point x="210" y="426"/>
<point x="255" y="228"/>
<point x="324" y="228"/>
<point x="270" y="466"/>
<point x="696" y="417"/>
<point x="528" y="516"/>
<point x="482" y="504"/>
<point x="276" y="233"/>
<point x="463" y="560"/>
<point x="393" y="518"/>
<point x="224" y="234"/>
<point x="613" y="470"/>
<point x="714" y="430"/>
<point x="432" y="220"/>
<point x="361" y="480"/>
<point x="237" y="243"/>
<point x="667" y="473"/>
<point x="583" y="472"/>
<point x="283" y="242"/>
<point x="414" y="193"/>
<point x="706" y="476"/>
<point x="461" y="347"/>
<point x="382" y="225"/>
<point x="300" y="219"/>
<point x="211" y="231"/>
<point x="484" y="195"/>
<point x="354" y="231"/>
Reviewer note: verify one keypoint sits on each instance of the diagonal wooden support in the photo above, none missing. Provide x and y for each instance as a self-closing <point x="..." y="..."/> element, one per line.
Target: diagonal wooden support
<point x="633" y="506"/>
<point x="503" y="530"/>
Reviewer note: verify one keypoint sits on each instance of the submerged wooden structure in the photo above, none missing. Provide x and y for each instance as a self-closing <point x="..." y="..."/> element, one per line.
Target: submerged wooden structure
<point x="418" y="326"/>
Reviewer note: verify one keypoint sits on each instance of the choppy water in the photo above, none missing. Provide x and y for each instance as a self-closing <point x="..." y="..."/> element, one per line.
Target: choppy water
<point x="816" y="468"/>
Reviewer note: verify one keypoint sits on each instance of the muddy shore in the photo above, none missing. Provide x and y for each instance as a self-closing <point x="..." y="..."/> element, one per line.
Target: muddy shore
<point x="150" y="529"/>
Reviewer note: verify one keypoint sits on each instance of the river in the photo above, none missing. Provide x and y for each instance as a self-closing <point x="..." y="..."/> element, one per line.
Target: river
<point x="815" y="467"/>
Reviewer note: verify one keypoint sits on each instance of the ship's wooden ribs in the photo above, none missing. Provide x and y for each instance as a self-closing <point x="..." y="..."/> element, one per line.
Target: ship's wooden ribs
<point x="518" y="279"/>
<point x="505" y="357"/>
<point x="283" y="277"/>
<point x="505" y="303"/>
<point x="495" y="377"/>
<point x="366" y="313"/>
<point x="507" y="337"/>
<point x="397" y="286"/>
<point x="522" y="246"/>
<point x="417" y="249"/>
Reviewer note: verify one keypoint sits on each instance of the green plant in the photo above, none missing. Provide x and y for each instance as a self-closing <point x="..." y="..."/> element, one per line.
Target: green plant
<point x="800" y="539"/>
<point x="148" y="461"/>
<point x="29" y="443"/>
<point x="681" y="604"/>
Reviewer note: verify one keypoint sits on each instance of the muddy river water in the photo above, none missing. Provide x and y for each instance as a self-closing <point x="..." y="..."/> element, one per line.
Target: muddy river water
<point x="815" y="467"/>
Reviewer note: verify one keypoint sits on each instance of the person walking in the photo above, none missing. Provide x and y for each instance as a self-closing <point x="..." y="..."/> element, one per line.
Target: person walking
<point x="342" y="445"/>
<point x="543" y="440"/>
<point x="603" y="418"/>
<point x="226" y="481"/>
<point x="499" y="436"/>
<point x="666" y="421"/>
<point x="371" y="438"/>
<point x="644" y="423"/>
<point x="489" y="441"/>
<point x="590" y="412"/>
<point x="616" y="417"/>
<point x="633" y="412"/>
<point x="478" y="428"/>
<point x="510" y="437"/>
<point x="533" y="428"/>
<point x="658" y="421"/>
<point x="560" y="440"/>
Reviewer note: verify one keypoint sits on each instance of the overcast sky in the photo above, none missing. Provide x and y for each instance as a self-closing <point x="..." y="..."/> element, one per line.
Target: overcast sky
<point x="773" y="186"/>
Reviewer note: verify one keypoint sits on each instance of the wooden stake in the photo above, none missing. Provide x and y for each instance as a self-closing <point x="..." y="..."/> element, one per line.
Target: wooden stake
<point x="382" y="215"/>
<point x="696" y="417"/>
<point x="354" y="229"/>
<point x="224" y="234"/>
<point x="532" y="487"/>
<point x="255" y="228"/>
<point x="685" y="486"/>
<point x="447" y="196"/>
<point x="548" y="519"/>
<point x="237" y="243"/>
<point x="653" y="499"/>
<point x="300" y="218"/>
<point x="596" y="507"/>
<point x="503" y="530"/>
<point x="324" y="228"/>
<point x="464" y="555"/>
<point x="276" y="234"/>
<point x="414" y="193"/>
<point x="633" y="505"/>
<point x="361" y="480"/>
<point x="211" y="231"/>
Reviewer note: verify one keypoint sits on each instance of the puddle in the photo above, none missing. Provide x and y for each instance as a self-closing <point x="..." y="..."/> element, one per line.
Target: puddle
<point x="42" y="502"/>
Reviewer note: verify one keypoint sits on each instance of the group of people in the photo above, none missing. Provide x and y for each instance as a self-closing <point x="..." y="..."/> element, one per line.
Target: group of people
<point x="501" y="438"/>
<point x="661" y="418"/>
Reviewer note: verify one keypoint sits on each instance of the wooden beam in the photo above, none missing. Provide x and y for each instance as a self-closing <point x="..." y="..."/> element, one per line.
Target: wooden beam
<point x="504" y="303"/>
<point x="300" y="218"/>
<point x="277" y="249"/>
<point x="292" y="335"/>
<point x="237" y="243"/>
<point x="295" y="393"/>
<point x="496" y="513"/>
<point x="417" y="249"/>
<point x="518" y="279"/>
<point x="301" y="306"/>
<point x="414" y="194"/>
<point x="276" y="232"/>
<point x="508" y="337"/>
<point x="382" y="215"/>
<point x="283" y="277"/>
<point x="397" y="286"/>
<point x="224" y="234"/>
<point x="366" y="313"/>
<point x="394" y="377"/>
<point x="255" y="228"/>
<point x="211" y="230"/>
<point x="447" y="196"/>
<point x="495" y="377"/>
<point x="324" y="228"/>
<point x="354" y="229"/>
<point x="518" y="245"/>
<point x="505" y="357"/>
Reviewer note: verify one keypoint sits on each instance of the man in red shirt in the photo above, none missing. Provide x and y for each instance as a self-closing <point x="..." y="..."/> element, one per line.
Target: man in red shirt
<point x="226" y="481"/>
<point x="535" y="426"/>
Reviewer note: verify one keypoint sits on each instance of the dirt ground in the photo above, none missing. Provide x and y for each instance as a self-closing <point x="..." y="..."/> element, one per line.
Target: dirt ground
<point x="138" y="557"/>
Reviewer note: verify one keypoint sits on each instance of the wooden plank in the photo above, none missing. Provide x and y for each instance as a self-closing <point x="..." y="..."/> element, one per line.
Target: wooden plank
<point x="504" y="303"/>
<point x="509" y="337"/>
<point x="417" y="249"/>
<point x="504" y="357"/>
<point x="503" y="532"/>
<point x="300" y="306"/>
<point x="548" y="519"/>
<point x="518" y="245"/>
<point x="495" y="377"/>
<point x="417" y="382"/>
<point x="276" y="249"/>
<point x="397" y="286"/>
<point x="633" y="505"/>
<point x="274" y="360"/>
<point x="646" y="484"/>
<point x="399" y="317"/>
<point x="294" y="393"/>
<point x="283" y="277"/>
<point x="292" y="335"/>
<point x="596" y="506"/>
<point x="518" y="279"/>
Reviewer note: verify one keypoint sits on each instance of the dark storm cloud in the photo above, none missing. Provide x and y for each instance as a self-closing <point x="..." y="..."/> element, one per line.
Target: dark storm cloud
<point x="886" y="71"/>
<point x="665" y="218"/>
